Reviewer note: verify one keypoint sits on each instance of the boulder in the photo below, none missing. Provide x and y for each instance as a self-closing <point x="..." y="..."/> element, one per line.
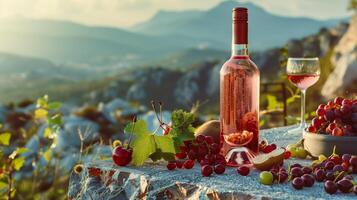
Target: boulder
<point x="344" y="77"/>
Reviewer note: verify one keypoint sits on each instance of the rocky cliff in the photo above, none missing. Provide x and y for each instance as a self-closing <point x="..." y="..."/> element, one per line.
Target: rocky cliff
<point x="343" y="80"/>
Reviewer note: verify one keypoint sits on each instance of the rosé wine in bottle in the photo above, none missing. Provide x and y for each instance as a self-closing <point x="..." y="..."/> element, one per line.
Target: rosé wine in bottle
<point x="303" y="81"/>
<point x="239" y="97"/>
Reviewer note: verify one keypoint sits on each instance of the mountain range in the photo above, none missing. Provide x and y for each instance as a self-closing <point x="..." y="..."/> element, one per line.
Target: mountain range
<point x="44" y="56"/>
<point x="164" y="34"/>
<point x="266" y="30"/>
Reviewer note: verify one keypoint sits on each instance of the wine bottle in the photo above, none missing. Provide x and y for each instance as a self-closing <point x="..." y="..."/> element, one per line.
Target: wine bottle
<point x="239" y="97"/>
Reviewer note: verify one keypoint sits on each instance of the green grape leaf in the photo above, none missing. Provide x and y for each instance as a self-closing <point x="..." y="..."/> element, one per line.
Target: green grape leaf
<point x="145" y="144"/>
<point x="181" y="119"/>
<point x="136" y="128"/>
<point x="164" y="144"/>
<point x="54" y="105"/>
<point x="181" y="129"/>
<point x="158" y="155"/>
<point x="5" y="138"/>
<point x="18" y="163"/>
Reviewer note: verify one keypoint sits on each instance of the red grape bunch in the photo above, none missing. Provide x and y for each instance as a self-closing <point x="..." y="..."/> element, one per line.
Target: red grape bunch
<point x="337" y="118"/>
<point x="203" y="150"/>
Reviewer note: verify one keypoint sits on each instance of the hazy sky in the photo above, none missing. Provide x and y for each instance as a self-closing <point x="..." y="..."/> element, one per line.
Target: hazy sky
<point x="123" y="13"/>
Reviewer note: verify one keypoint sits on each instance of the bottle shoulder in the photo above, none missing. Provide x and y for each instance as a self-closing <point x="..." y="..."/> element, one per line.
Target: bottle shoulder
<point x="239" y="64"/>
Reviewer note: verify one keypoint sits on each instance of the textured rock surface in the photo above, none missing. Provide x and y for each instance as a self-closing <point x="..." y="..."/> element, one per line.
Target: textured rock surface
<point x="344" y="77"/>
<point x="102" y="180"/>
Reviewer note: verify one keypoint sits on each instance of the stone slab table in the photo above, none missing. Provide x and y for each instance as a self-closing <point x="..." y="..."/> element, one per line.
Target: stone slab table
<point x="103" y="180"/>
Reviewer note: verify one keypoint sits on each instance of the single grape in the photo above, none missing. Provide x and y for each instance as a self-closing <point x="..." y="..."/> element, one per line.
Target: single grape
<point x="243" y="170"/>
<point x="179" y="164"/>
<point x="349" y="177"/>
<point x="188" y="164"/>
<point x="330" y="176"/>
<point x="206" y="170"/>
<point x="306" y="170"/>
<point x="346" y="158"/>
<point x="266" y="178"/>
<point x="181" y="155"/>
<point x="321" y="106"/>
<point x="338" y="100"/>
<point x="296" y="172"/>
<point x="330" y="187"/>
<point x="329" y="165"/>
<point x="316" y="122"/>
<point x="336" y="159"/>
<point x="353" y="161"/>
<point x="345" y="185"/>
<point x="121" y="156"/>
<point x="298" y="183"/>
<point x="311" y="129"/>
<point x="301" y="153"/>
<point x="282" y="177"/>
<point x="346" y="102"/>
<point x="219" y="169"/>
<point x="308" y="179"/>
<point x="332" y="126"/>
<point x="330" y="104"/>
<point x="320" y="112"/>
<point x="320" y="175"/>
<point x="337" y="132"/>
<point x="171" y="166"/>
<point x="296" y="165"/>
<point x="338" y="168"/>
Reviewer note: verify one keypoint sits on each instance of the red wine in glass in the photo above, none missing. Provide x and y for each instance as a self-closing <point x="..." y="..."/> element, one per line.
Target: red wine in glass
<point x="303" y="81"/>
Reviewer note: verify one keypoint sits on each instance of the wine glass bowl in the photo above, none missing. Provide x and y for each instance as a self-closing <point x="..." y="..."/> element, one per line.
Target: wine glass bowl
<point x="303" y="73"/>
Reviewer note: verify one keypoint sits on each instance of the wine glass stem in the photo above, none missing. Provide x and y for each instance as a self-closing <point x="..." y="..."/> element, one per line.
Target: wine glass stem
<point x="303" y="93"/>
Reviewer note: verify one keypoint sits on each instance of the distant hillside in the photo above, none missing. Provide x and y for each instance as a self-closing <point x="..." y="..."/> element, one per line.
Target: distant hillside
<point x="24" y="77"/>
<point x="68" y="42"/>
<point x="214" y="26"/>
<point x="184" y="59"/>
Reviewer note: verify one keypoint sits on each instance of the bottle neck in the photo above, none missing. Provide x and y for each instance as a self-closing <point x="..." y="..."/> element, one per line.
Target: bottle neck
<point x="240" y="50"/>
<point x="240" y="38"/>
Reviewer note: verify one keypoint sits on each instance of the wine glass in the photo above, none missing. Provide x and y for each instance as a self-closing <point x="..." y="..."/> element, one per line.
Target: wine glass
<point x="303" y="73"/>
